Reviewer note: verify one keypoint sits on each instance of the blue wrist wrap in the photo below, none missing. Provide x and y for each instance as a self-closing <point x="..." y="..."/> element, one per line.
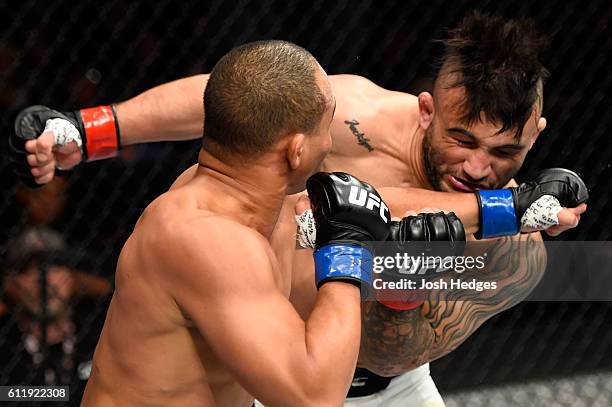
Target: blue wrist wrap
<point x="343" y="261"/>
<point x="497" y="213"/>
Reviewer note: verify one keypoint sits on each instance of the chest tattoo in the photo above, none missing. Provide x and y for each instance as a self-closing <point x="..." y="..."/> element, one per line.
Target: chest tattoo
<point x="362" y="140"/>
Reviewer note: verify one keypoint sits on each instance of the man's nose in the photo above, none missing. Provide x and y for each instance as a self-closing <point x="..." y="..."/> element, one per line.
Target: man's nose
<point x="477" y="166"/>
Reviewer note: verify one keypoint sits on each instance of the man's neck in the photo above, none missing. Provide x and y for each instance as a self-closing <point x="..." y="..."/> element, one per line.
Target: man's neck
<point x="253" y="193"/>
<point x="416" y="159"/>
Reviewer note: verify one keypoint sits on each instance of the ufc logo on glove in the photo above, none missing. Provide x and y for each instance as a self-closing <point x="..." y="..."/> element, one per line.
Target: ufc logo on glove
<point x="361" y="197"/>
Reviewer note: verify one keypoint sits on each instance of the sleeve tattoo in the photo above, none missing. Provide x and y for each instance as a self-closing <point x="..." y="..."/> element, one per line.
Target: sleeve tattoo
<point x="396" y="341"/>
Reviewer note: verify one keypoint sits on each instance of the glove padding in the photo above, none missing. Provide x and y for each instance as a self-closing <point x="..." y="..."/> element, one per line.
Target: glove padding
<point x="432" y="234"/>
<point x="502" y="210"/>
<point x="29" y="125"/>
<point x="430" y="227"/>
<point x="348" y="213"/>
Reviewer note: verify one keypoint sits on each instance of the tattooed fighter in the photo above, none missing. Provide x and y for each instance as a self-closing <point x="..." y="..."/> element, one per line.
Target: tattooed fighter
<point x="457" y="149"/>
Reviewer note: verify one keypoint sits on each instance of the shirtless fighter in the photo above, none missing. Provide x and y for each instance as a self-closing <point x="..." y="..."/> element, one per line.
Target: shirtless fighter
<point x="467" y="139"/>
<point x="197" y="320"/>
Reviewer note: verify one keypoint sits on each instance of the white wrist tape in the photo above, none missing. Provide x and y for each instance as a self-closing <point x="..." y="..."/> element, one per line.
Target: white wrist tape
<point x="64" y="132"/>
<point x="542" y="214"/>
<point x="306" y="229"/>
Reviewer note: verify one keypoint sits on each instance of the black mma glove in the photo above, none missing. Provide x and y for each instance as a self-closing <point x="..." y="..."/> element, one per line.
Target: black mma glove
<point x="95" y="130"/>
<point x="348" y="213"/>
<point x="430" y="227"/>
<point x="415" y="235"/>
<point x="502" y="210"/>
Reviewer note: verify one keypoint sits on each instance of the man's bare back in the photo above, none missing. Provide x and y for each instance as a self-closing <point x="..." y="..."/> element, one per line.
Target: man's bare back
<point x="149" y="345"/>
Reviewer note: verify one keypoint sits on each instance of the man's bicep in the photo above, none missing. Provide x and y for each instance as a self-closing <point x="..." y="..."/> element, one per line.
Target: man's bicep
<point x="169" y="112"/>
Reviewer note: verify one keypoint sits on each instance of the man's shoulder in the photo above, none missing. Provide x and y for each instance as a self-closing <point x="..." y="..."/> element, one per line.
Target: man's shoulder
<point x="359" y="85"/>
<point x="354" y="82"/>
<point x="355" y="86"/>
<point x="173" y="230"/>
<point x="211" y="229"/>
<point x="353" y="91"/>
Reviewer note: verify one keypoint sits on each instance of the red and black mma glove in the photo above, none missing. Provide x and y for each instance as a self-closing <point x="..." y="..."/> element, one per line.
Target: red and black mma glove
<point x="502" y="211"/>
<point x="97" y="133"/>
<point x="349" y="214"/>
<point x="437" y="234"/>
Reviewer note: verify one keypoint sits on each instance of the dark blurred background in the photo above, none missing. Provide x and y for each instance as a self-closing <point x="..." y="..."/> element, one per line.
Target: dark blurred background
<point x="76" y="54"/>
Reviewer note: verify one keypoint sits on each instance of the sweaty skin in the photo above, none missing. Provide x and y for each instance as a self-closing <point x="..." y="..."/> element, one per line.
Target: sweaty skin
<point x="378" y="136"/>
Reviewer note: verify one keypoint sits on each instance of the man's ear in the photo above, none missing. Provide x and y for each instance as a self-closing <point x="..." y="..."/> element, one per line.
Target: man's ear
<point x="295" y="150"/>
<point x="540" y="128"/>
<point x="426" y="109"/>
<point x="541" y="124"/>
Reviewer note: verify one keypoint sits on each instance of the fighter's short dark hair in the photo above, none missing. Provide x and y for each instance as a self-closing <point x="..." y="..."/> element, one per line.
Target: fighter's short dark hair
<point x="498" y="63"/>
<point x="257" y="93"/>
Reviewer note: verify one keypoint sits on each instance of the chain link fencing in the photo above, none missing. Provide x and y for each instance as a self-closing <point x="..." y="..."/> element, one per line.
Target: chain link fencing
<point x="70" y="55"/>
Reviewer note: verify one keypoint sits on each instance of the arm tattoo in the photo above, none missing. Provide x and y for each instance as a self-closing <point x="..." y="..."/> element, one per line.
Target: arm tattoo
<point x="396" y="341"/>
<point x="361" y="138"/>
<point x="393" y="341"/>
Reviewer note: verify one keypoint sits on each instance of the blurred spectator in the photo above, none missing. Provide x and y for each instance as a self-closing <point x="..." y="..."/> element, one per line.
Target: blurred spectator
<point x="62" y="353"/>
<point x="62" y="356"/>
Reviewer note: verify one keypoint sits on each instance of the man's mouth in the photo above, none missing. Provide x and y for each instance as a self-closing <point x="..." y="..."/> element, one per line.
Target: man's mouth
<point x="462" y="185"/>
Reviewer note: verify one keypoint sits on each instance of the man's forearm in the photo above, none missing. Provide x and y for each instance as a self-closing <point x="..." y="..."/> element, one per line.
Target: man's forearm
<point x="172" y="111"/>
<point x="464" y="205"/>
<point x="332" y="341"/>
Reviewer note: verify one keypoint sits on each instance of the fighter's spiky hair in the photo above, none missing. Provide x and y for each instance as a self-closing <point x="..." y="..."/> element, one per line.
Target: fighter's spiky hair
<point x="498" y="62"/>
